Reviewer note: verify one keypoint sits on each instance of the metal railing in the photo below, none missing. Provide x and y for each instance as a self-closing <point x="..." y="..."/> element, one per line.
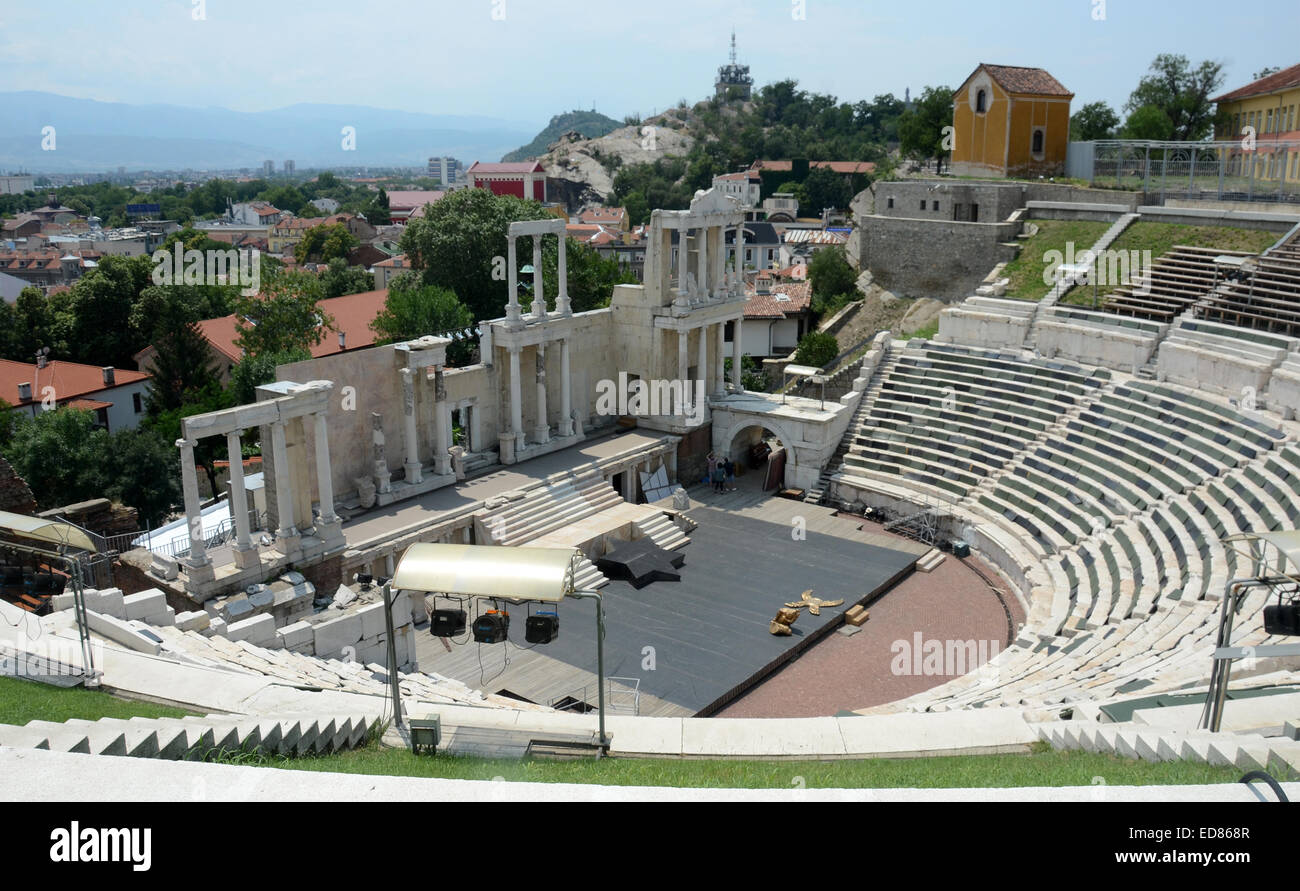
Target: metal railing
<point x="1258" y="169"/>
<point x="622" y="699"/>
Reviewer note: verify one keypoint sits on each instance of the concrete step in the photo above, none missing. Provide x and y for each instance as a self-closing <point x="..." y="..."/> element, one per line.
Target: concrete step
<point x="98" y="740"/>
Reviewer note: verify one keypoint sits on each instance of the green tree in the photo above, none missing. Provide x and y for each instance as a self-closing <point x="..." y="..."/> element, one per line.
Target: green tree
<point x="182" y="365"/>
<point x="285" y="317"/>
<point x="824" y="188"/>
<point x="460" y="245"/>
<point x="339" y="279"/>
<point x="99" y="309"/>
<point x="1096" y="120"/>
<point x="921" y="130"/>
<point x="1180" y="91"/>
<point x="252" y="372"/>
<point x="413" y="310"/>
<point x="816" y="348"/>
<point x="1149" y="122"/>
<point x="144" y="472"/>
<point x="210" y="449"/>
<point x="323" y="243"/>
<point x="830" y="273"/>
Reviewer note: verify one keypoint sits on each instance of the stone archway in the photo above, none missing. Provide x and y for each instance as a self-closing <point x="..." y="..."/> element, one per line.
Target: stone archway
<point x="725" y="443"/>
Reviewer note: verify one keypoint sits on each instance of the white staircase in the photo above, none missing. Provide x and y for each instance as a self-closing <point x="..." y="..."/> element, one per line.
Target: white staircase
<point x="193" y="737"/>
<point x="1244" y="751"/>
<point x="662" y="531"/>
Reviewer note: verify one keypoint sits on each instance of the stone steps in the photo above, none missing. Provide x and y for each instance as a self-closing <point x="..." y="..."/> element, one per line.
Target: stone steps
<point x="194" y="737"/>
<point x="662" y="531"/>
<point x="1243" y="751"/>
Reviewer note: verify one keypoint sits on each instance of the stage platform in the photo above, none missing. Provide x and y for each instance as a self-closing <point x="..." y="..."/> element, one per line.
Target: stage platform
<point x="695" y="644"/>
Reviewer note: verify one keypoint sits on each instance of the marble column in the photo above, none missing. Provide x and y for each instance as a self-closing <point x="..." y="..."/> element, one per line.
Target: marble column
<point x="516" y="396"/>
<point x="539" y="298"/>
<point x="287" y="532"/>
<point x="542" y="432"/>
<point x="683" y="368"/>
<point x="701" y="366"/>
<point x="736" y="372"/>
<point x="512" y="282"/>
<point x="378" y="454"/>
<point x="562" y="298"/>
<point x="719" y="365"/>
<point x="244" y="552"/>
<point x="412" y="466"/>
<point x="566" y="391"/>
<point x="193" y="511"/>
<point x="683" y="266"/>
<point x="442" y="425"/>
<point x="703" y="263"/>
<point x="324" y="478"/>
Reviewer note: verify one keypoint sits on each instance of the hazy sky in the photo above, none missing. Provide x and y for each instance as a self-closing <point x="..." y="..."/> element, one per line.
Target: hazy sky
<point x="528" y="59"/>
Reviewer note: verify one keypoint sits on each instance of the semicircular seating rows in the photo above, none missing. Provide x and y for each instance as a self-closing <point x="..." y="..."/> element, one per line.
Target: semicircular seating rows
<point x="1110" y="496"/>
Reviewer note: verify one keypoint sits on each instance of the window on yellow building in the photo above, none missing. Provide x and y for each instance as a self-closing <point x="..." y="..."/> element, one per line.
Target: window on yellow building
<point x="1037" y="142"/>
<point x="981" y="102"/>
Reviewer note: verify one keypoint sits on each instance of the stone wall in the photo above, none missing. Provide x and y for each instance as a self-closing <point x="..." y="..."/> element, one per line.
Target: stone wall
<point x="934" y="258"/>
<point x="15" y="495"/>
<point x="99" y="515"/>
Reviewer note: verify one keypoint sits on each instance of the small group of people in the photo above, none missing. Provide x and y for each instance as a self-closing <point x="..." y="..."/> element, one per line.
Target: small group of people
<point x="722" y="473"/>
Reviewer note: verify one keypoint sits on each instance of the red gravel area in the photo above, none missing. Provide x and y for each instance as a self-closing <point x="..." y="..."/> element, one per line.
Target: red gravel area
<point x="843" y="673"/>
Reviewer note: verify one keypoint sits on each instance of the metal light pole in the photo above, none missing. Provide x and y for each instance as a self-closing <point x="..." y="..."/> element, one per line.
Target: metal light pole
<point x="600" y="657"/>
<point x="392" y="656"/>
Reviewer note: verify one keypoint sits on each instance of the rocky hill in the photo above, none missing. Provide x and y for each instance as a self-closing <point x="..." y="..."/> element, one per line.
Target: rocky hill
<point x="581" y="170"/>
<point x="588" y="124"/>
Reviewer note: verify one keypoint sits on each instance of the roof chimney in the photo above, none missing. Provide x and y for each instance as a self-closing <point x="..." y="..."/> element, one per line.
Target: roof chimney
<point x="107" y="371"/>
<point x="343" y="340"/>
<point x="25" y="392"/>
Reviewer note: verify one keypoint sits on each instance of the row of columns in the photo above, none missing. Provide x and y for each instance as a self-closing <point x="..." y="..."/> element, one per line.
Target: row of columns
<point x="541" y="432"/>
<point x="711" y="267"/>
<point x="719" y="330"/>
<point x="514" y="312"/>
<point x="411" y="468"/>
<point x="245" y="552"/>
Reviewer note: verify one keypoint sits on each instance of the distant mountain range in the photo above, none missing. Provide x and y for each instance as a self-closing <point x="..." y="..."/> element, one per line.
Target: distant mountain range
<point x="98" y="136"/>
<point x="590" y="124"/>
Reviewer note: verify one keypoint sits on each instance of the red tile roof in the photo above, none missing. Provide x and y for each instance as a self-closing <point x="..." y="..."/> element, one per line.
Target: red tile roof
<point x="352" y="314"/>
<point x="70" y="380"/>
<point x="603" y="215"/>
<point x="1285" y="79"/>
<point x="767" y="306"/>
<point x="507" y="167"/>
<point x="1015" y="79"/>
<point x="837" y="166"/>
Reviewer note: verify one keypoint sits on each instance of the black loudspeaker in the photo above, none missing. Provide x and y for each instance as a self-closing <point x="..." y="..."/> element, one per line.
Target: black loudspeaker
<point x="542" y="628"/>
<point x="1282" y="618"/>
<point x="492" y="626"/>
<point x="447" y="622"/>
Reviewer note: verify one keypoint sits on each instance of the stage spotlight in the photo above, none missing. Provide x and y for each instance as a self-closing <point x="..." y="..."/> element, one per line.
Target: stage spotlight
<point x="542" y="627"/>
<point x="492" y="626"/>
<point x="1282" y="618"/>
<point x="447" y="622"/>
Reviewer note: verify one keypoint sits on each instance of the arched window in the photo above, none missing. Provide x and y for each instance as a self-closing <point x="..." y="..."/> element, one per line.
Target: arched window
<point x="1038" y="142"/>
<point x="981" y="102"/>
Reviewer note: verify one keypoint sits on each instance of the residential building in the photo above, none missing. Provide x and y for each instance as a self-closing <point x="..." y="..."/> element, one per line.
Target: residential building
<point x="761" y="245"/>
<point x="48" y="267"/>
<point x="445" y="170"/>
<point x="351" y="314"/>
<point x="745" y="186"/>
<point x="1010" y="121"/>
<point x="403" y="204"/>
<point x="17" y="184"/>
<point x="1270" y="106"/>
<point x="777" y="315"/>
<point x="115" y="396"/>
<point x="609" y="217"/>
<point x="523" y="179"/>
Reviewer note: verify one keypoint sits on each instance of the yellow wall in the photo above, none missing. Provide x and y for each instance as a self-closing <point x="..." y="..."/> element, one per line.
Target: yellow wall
<point x="980" y="140"/>
<point x="1275" y="116"/>
<point x="985" y="145"/>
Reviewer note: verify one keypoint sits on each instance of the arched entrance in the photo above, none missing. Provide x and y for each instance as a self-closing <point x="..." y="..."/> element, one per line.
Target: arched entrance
<point x="764" y="452"/>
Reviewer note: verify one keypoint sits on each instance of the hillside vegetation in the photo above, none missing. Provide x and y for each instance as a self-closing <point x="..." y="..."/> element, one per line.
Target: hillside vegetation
<point x="589" y="124"/>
